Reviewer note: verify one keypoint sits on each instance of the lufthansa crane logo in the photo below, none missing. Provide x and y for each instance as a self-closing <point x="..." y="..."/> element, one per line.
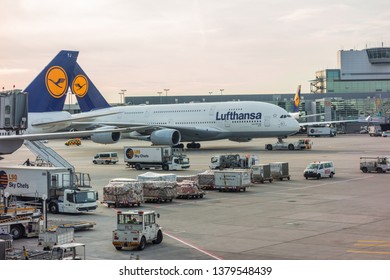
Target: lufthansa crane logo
<point x="129" y="153"/>
<point x="297" y="100"/>
<point x="3" y="179"/>
<point x="80" y="85"/>
<point x="56" y="81"/>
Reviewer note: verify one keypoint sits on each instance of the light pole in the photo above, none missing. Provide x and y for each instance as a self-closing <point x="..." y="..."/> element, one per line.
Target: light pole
<point x="210" y="92"/>
<point x="159" y="93"/>
<point x="166" y="95"/>
<point x="221" y="90"/>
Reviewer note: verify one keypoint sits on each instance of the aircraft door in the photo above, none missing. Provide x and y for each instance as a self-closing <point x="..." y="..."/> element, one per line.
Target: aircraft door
<point x="267" y="121"/>
<point x="212" y="111"/>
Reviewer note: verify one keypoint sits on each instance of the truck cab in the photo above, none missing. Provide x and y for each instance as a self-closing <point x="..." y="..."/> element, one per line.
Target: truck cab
<point x="319" y="169"/>
<point x="135" y="229"/>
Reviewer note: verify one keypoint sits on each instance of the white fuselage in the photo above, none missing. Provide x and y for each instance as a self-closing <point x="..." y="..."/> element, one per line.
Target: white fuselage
<point x="208" y="121"/>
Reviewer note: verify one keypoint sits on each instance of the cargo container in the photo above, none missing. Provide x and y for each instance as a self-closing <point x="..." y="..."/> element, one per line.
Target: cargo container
<point x="232" y="180"/>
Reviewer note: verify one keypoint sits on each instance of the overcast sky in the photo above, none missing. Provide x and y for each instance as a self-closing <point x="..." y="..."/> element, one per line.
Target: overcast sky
<point x="188" y="46"/>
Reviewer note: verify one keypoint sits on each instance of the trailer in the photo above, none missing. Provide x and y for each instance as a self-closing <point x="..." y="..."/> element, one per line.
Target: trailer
<point x="378" y="164"/>
<point x="123" y="192"/>
<point x="374" y="130"/>
<point x="301" y="144"/>
<point x="189" y="189"/>
<point x="158" y="157"/>
<point x="318" y="131"/>
<point x="233" y="161"/>
<point x="280" y="170"/>
<point x="261" y="173"/>
<point x="232" y="180"/>
<point x="21" y="225"/>
<point x="63" y="190"/>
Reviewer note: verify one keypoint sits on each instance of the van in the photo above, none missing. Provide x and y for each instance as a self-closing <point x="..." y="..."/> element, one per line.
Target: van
<point x="319" y="169"/>
<point x="105" y="158"/>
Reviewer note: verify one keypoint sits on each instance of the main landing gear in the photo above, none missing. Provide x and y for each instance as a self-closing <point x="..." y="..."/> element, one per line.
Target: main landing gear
<point x="191" y="145"/>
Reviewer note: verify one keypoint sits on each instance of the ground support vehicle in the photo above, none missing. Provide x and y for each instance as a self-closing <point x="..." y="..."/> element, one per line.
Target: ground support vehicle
<point x="261" y="173"/>
<point x="232" y="180"/>
<point x="189" y="189"/>
<point x="105" y="158"/>
<point x="374" y="130"/>
<point x="68" y="251"/>
<point x="63" y="190"/>
<point x="319" y="169"/>
<point x="135" y="229"/>
<point x="73" y="142"/>
<point x="301" y="144"/>
<point x="280" y="170"/>
<point x="378" y="164"/>
<point x="28" y="225"/>
<point x="317" y="131"/>
<point x="123" y="193"/>
<point x="158" y="157"/>
<point x="233" y="161"/>
<point x="61" y="235"/>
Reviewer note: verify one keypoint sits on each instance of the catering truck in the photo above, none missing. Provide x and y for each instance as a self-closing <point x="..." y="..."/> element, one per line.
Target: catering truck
<point x="317" y="131"/>
<point x="64" y="190"/>
<point x="158" y="157"/>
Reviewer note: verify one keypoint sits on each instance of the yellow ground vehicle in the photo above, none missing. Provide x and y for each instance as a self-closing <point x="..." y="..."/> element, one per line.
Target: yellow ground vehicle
<point x="72" y="142"/>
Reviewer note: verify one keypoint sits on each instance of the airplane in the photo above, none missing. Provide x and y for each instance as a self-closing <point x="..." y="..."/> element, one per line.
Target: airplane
<point x="46" y="99"/>
<point x="296" y="113"/>
<point x="171" y="124"/>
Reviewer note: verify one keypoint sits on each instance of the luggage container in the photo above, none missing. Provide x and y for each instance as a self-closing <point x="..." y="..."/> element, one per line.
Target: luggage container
<point x="123" y="192"/>
<point x="261" y="173"/>
<point x="232" y="180"/>
<point x="280" y="170"/>
<point x="189" y="189"/>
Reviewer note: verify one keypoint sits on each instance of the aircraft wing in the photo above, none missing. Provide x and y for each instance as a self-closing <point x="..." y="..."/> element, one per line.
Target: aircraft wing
<point x="325" y="122"/>
<point x="68" y="134"/>
<point x="73" y="119"/>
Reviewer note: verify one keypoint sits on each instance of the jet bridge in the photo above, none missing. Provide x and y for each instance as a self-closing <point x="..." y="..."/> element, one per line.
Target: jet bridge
<point x="13" y="112"/>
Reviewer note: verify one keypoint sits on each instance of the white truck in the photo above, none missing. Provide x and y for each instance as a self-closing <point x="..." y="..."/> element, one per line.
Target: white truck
<point x="158" y="157"/>
<point x="317" y="131"/>
<point x="233" y="161"/>
<point x="301" y="144"/>
<point x="374" y="130"/>
<point x="63" y="190"/>
<point x="378" y="164"/>
<point x="136" y="229"/>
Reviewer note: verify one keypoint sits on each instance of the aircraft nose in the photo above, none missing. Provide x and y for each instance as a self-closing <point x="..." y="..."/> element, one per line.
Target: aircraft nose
<point x="295" y="126"/>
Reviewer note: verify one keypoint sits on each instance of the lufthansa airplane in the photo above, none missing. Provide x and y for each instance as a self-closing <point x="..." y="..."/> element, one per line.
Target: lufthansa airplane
<point x="171" y="124"/>
<point x="46" y="99"/>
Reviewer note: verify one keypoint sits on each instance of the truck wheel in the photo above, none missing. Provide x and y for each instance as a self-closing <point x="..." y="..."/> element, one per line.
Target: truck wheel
<point x="118" y="248"/>
<point x="159" y="237"/>
<point x="364" y="169"/>
<point x="94" y="162"/>
<point x="53" y="208"/>
<point x="379" y="170"/>
<point x="318" y="176"/>
<point x="331" y="175"/>
<point x="269" y="147"/>
<point x="16" y="231"/>
<point x="291" y="147"/>
<point x="165" y="167"/>
<point x="142" y="244"/>
<point x="138" y="166"/>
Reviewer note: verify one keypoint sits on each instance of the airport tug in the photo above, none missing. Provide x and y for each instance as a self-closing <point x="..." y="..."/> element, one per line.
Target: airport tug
<point x="135" y="229"/>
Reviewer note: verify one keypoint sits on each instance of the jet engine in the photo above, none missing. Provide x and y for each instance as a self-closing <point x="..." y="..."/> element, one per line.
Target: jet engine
<point x="9" y="146"/>
<point x="105" y="137"/>
<point x="165" y="137"/>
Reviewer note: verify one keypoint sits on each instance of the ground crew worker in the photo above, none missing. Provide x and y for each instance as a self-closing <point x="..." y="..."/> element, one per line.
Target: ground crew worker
<point x="25" y="253"/>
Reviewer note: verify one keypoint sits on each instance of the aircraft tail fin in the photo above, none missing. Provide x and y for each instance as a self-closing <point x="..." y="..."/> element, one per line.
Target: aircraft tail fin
<point x="88" y="96"/>
<point x="47" y="92"/>
<point x="297" y="100"/>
